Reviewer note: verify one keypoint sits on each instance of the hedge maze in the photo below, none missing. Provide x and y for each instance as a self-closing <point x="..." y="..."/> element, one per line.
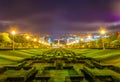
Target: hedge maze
<point x="59" y="65"/>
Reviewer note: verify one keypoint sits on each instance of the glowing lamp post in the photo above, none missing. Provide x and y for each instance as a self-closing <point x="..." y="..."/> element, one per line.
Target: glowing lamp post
<point x="81" y="39"/>
<point x="34" y="39"/>
<point x="27" y="37"/>
<point x="34" y="42"/>
<point x="89" y="40"/>
<point x="89" y="36"/>
<point x="103" y="32"/>
<point x="13" y="33"/>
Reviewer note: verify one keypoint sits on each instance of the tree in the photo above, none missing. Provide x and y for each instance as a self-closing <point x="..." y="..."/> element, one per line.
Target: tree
<point x="116" y="43"/>
<point x="98" y="43"/>
<point x="113" y="36"/>
<point x="118" y="38"/>
<point x="5" y="39"/>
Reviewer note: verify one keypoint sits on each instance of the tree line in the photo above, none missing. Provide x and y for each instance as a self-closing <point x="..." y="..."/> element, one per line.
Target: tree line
<point x="20" y="41"/>
<point x="112" y="41"/>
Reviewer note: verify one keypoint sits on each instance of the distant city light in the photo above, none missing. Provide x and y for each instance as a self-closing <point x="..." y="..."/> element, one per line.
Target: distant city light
<point x="89" y="36"/>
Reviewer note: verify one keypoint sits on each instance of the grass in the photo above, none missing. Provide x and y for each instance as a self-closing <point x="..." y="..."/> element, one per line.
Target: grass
<point x="104" y="72"/>
<point x="108" y="56"/>
<point x="10" y="57"/>
<point x="5" y="62"/>
<point x="59" y="75"/>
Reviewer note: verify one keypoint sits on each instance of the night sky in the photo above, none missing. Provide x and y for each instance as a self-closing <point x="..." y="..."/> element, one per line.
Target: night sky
<point x="60" y="16"/>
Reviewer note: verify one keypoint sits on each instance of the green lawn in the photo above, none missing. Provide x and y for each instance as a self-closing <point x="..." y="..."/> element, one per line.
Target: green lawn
<point x="10" y="57"/>
<point x="59" y="75"/>
<point x="5" y="62"/>
<point x="108" y="56"/>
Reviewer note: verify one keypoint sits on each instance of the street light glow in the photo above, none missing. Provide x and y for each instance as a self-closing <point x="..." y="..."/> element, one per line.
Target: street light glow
<point x="34" y="39"/>
<point x="89" y="36"/>
<point x="13" y="32"/>
<point x="27" y="37"/>
<point x="103" y="32"/>
<point x="39" y="41"/>
<point x="81" y="39"/>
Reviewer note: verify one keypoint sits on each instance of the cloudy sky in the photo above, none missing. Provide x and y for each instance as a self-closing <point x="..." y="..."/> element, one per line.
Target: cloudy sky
<point x="59" y="16"/>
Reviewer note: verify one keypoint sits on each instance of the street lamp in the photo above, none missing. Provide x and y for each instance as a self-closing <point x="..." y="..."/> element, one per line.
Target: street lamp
<point x="39" y="41"/>
<point x="103" y="32"/>
<point x="81" y="39"/>
<point x="27" y="37"/>
<point x="13" y="33"/>
<point x="27" y="42"/>
<point x="89" y="44"/>
<point x="89" y="36"/>
<point x="34" y="39"/>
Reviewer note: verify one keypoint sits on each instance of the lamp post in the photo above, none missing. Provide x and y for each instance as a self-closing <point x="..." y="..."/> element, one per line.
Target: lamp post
<point x="89" y="40"/>
<point x="13" y="33"/>
<point x="27" y="37"/>
<point x="27" y="42"/>
<point x="34" y="39"/>
<point x="81" y="41"/>
<point x="89" y="36"/>
<point x="103" y="32"/>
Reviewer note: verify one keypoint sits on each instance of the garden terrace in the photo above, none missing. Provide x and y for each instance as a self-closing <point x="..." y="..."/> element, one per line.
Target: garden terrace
<point x="58" y="65"/>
